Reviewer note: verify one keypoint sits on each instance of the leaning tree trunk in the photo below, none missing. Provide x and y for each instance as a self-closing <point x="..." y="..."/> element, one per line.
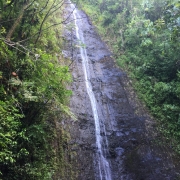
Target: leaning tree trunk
<point x="16" y="23"/>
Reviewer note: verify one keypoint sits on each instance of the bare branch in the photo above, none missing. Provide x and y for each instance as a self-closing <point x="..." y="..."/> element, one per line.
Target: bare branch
<point x="62" y="22"/>
<point x="45" y="17"/>
<point x="57" y="7"/>
<point x="44" y="6"/>
<point x="17" y="46"/>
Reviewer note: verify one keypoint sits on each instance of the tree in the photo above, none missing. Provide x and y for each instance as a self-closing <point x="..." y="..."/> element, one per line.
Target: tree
<point x="32" y="88"/>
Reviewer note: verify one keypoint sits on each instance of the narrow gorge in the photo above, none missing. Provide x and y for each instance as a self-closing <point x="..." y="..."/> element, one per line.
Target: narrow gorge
<point x="114" y="137"/>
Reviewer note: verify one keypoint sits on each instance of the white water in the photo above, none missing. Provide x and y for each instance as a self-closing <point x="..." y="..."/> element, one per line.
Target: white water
<point x="103" y="165"/>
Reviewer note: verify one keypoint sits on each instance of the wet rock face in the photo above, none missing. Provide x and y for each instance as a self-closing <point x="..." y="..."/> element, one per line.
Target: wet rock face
<point x="133" y="151"/>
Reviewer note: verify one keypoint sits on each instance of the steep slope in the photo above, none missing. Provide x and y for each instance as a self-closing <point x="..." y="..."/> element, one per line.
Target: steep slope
<point x="133" y="147"/>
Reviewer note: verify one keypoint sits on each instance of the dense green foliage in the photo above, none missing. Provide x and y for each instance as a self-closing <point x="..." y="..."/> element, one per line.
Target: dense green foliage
<point x="33" y="90"/>
<point x="145" y="38"/>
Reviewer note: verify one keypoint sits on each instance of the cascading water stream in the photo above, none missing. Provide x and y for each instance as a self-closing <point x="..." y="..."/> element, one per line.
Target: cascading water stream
<point x="103" y="165"/>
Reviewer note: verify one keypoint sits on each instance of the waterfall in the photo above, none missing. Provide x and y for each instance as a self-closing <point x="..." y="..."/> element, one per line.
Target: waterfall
<point x="103" y="165"/>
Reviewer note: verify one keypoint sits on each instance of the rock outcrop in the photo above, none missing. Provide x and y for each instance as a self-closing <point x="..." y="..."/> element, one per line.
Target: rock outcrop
<point x="135" y="150"/>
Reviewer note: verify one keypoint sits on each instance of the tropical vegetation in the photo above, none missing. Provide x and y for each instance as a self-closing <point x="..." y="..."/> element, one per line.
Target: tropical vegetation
<point x="33" y="93"/>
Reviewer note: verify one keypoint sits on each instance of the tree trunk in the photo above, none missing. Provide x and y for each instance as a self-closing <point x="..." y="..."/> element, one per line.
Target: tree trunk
<point x="16" y="23"/>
